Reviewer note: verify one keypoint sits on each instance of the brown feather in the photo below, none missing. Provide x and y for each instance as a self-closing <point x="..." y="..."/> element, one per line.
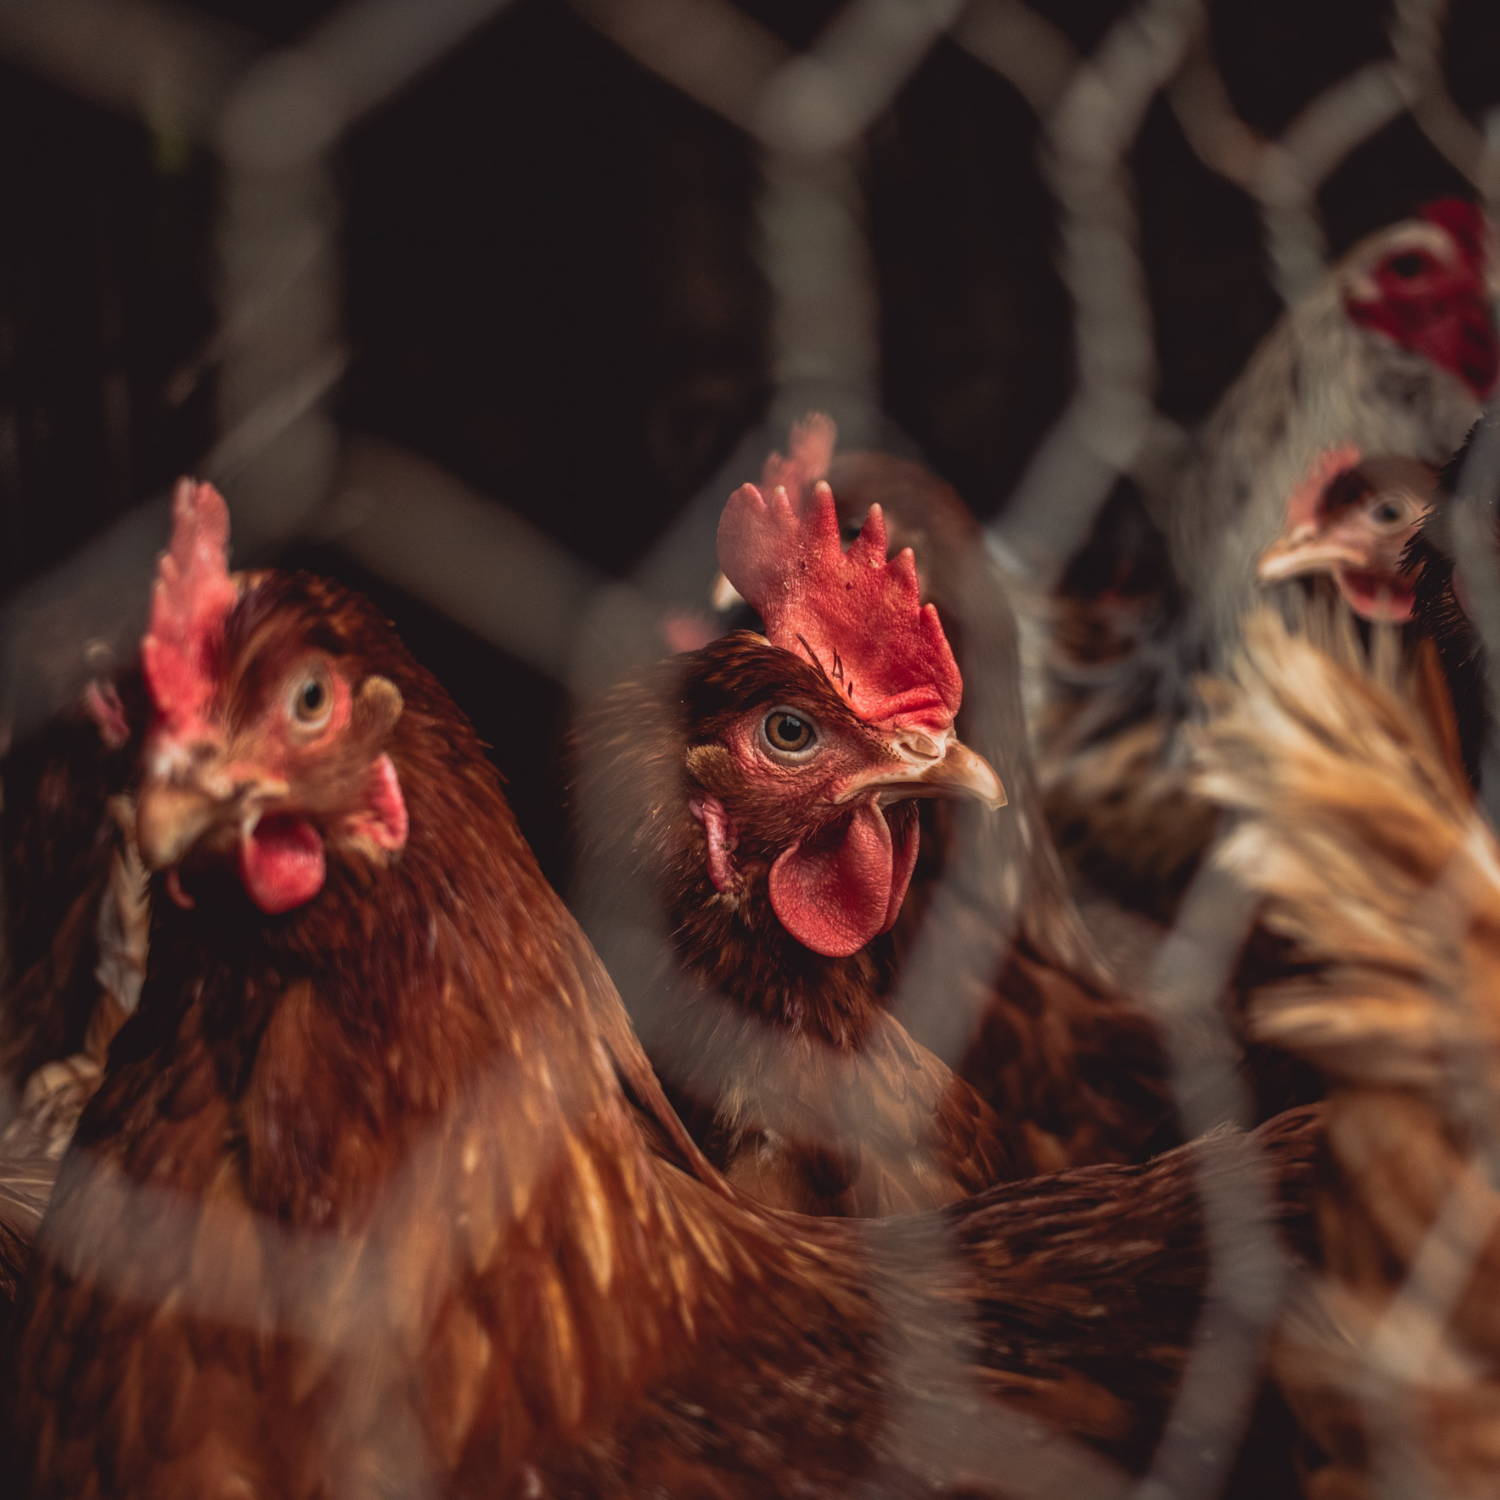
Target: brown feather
<point x="361" y="1205"/>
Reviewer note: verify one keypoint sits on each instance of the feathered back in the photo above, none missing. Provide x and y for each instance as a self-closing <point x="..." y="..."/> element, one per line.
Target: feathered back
<point x="1357" y="828"/>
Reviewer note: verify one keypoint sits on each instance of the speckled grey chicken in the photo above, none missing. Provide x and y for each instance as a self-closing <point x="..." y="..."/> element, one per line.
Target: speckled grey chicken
<point x="1387" y="360"/>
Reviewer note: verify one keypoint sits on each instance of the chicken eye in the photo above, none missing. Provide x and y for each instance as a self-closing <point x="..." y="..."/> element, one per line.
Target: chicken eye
<point x="1387" y="512"/>
<point x="312" y="701"/>
<point x="786" y="732"/>
<point x="1409" y="265"/>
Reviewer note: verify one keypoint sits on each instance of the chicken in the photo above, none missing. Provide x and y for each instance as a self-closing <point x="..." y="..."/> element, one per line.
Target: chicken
<point x="364" y="1202"/>
<point x="1001" y="978"/>
<point x="1357" y="828"/>
<point x="768" y="806"/>
<point x="771" y="1029"/>
<point x="1389" y="357"/>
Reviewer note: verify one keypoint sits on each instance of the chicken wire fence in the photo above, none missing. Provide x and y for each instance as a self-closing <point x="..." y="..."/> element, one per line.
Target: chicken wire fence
<point x="276" y="119"/>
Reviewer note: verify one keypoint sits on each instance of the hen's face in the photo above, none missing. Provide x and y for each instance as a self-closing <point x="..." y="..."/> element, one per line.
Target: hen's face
<point x="1352" y="519"/>
<point x="285" y="759"/>
<point x="790" y="785"/>
<point x="1425" y="287"/>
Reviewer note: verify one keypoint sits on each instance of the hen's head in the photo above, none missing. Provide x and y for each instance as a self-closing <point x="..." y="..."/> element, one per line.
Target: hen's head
<point x="268" y="745"/>
<point x="1352" y="518"/>
<point x="1423" y="283"/>
<point x="803" y="742"/>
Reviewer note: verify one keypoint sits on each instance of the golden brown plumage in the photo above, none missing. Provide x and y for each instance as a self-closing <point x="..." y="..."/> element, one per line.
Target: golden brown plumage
<point x="1356" y="825"/>
<point x="784" y="1062"/>
<point x="779" y="1048"/>
<point x="363" y="1202"/>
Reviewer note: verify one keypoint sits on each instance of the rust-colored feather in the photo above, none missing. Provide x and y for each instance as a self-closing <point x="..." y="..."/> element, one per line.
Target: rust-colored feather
<point x="258" y="1272"/>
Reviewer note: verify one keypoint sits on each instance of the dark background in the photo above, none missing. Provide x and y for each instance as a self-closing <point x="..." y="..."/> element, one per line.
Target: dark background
<point x="552" y="290"/>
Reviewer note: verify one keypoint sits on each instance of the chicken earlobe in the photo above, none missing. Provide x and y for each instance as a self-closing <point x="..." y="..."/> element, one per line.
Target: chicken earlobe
<point x="718" y="831"/>
<point x="837" y="891"/>
<point x="381" y="823"/>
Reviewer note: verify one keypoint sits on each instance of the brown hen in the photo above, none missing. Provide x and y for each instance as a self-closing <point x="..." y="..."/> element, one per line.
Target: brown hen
<point x="997" y="973"/>
<point x="363" y="1205"/>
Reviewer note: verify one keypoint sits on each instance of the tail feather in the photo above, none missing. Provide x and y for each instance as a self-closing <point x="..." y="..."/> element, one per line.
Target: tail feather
<point x="1357" y="828"/>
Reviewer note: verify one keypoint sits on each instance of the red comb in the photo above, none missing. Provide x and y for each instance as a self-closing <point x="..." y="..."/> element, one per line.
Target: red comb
<point x="194" y="594"/>
<point x="855" y="614"/>
<point x="1463" y="221"/>
<point x="812" y="451"/>
<point x="1303" y="502"/>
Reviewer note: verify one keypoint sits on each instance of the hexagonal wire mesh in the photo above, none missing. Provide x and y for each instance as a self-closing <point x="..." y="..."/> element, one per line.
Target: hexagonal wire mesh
<point x="275" y="119"/>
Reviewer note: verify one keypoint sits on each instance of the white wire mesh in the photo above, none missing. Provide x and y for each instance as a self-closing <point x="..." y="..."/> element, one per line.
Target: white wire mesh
<point x="276" y="119"/>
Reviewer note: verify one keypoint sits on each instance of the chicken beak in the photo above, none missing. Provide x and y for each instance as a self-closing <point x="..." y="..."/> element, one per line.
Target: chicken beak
<point x="187" y="798"/>
<point x="1305" y="552"/>
<point x="926" y="768"/>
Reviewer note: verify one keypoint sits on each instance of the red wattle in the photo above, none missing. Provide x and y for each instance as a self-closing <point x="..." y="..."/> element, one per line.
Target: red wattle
<point x="905" y="861"/>
<point x="1376" y="596"/>
<point x="282" y="863"/>
<point x="836" y="893"/>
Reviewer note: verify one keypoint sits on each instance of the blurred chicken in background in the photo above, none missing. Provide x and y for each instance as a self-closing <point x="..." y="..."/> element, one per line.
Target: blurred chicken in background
<point x="1315" y="462"/>
<point x="1352" y="520"/>
<point x="1354" y="823"/>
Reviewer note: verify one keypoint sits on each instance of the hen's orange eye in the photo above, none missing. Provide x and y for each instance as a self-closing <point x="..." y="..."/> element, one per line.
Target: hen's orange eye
<point x="312" y="701"/>
<point x="786" y="732"/>
<point x="1406" y="266"/>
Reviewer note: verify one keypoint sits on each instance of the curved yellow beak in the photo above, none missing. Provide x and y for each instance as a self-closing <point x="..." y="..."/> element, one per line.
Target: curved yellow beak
<point x="924" y="767"/>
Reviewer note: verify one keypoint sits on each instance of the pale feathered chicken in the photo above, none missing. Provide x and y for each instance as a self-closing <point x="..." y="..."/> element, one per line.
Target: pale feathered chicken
<point x="1388" y="359"/>
<point x="1356" y="826"/>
